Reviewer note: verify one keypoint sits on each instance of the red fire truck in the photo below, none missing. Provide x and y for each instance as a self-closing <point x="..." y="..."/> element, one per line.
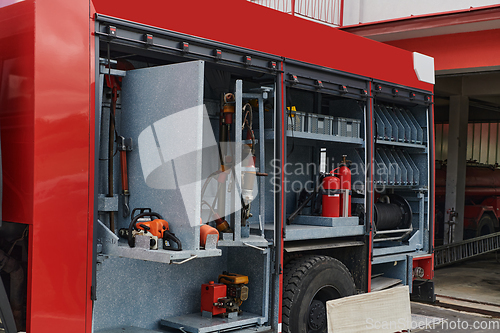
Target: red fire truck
<point x="205" y="167"/>
<point x="482" y="204"/>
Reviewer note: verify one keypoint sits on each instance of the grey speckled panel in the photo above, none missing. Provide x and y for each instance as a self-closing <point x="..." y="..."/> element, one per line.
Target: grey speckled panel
<point x="251" y="262"/>
<point x="162" y="111"/>
<point x="139" y="293"/>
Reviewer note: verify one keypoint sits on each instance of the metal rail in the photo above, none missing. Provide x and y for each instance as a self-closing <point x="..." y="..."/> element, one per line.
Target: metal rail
<point x="325" y="11"/>
<point x="452" y="253"/>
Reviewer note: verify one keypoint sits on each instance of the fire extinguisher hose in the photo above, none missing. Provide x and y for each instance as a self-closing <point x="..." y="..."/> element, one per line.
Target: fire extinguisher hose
<point x="304" y="204"/>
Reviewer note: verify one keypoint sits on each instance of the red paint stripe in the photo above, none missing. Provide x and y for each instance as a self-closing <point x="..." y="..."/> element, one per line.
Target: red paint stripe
<point x="283" y="154"/>
<point x="372" y="167"/>
<point x="433" y="188"/>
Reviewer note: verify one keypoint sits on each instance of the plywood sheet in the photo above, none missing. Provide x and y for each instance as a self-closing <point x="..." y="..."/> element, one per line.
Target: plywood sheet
<point x="385" y="311"/>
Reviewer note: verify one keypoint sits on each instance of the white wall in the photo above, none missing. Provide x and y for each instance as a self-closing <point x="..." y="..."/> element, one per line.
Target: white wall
<point x="364" y="11"/>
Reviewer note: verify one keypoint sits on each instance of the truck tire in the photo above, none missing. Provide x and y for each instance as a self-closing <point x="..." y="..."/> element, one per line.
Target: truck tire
<point x="485" y="226"/>
<point x="309" y="282"/>
<point x="289" y="257"/>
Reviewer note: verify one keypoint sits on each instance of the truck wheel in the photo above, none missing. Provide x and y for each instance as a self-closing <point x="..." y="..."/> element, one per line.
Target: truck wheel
<point x="485" y="226"/>
<point x="309" y="282"/>
<point x="289" y="257"/>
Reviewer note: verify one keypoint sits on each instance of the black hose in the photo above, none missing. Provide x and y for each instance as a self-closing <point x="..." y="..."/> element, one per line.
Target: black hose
<point x="306" y="201"/>
<point x="388" y="216"/>
<point x="394" y="214"/>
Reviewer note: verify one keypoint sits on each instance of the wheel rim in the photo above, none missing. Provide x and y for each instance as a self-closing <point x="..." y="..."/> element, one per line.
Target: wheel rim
<point x="316" y="316"/>
<point x="485" y="230"/>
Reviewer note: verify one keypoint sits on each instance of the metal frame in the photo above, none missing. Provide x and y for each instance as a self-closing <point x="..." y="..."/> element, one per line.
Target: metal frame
<point x="167" y="42"/>
<point x="400" y="142"/>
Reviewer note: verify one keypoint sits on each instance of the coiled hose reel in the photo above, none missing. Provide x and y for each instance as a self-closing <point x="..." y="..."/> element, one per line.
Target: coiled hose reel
<point x="392" y="212"/>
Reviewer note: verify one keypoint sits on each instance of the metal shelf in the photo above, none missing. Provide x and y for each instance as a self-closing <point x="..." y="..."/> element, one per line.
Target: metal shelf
<point x="397" y="124"/>
<point x="395" y="167"/>
<point x="418" y="188"/>
<point x="421" y="147"/>
<point x="195" y="323"/>
<point x="113" y="246"/>
<point x="252" y="241"/>
<point x="269" y="134"/>
<point x="320" y="221"/>
<point x="294" y="232"/>
<point x="130" y="329"/>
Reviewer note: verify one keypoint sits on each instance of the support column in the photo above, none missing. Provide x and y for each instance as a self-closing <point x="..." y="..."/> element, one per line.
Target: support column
<point x="455" y="170"/>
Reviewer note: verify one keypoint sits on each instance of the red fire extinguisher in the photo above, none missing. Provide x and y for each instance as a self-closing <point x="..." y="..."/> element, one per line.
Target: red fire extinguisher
<point x="345" y="187"/>
<point x="331" y="196"/>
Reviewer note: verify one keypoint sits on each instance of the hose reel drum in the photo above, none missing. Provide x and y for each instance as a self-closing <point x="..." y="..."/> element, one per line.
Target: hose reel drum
<point x="392" y="212"/>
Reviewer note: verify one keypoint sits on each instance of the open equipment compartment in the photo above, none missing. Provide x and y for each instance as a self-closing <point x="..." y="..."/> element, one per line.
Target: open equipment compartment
<point x="402" y="153"/>
<point x="149" y="94"/>
<point x="326" y="118"/>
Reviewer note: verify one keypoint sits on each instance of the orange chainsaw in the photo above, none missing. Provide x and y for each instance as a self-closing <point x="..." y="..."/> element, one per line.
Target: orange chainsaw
<point x="156" y="228"/>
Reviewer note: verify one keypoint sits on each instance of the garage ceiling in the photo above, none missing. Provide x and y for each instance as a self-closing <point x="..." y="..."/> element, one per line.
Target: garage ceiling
<point x="482" y="88"/>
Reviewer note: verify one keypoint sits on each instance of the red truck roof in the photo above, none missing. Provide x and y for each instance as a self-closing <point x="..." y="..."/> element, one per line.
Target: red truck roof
<point x="249" y="25"/>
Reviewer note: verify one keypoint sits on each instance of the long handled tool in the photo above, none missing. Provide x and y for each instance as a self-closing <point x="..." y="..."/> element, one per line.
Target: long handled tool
<point x="114" y="98"/>
<point x="124" y="145"/>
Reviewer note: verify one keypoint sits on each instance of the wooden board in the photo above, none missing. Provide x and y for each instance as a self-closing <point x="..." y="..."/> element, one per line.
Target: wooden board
<point x="385" y="311"/>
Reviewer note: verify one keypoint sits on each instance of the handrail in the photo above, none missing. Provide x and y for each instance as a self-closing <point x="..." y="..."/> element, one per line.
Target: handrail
<point x="329" y="12"/>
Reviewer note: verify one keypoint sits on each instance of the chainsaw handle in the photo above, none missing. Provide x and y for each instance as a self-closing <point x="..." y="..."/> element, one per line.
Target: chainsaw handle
<point x="171" y="238"/>
<point x="131" y="227"/>
<point x="141" y="210"/>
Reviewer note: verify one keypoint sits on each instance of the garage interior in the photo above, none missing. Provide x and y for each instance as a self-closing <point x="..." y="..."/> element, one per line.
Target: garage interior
<point x="467" y="128"/>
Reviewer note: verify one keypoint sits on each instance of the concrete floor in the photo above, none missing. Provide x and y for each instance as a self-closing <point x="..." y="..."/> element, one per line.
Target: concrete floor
<point x="476" y="280"/>
<point x="463" y="291"/>
<point x="434" y="319"/>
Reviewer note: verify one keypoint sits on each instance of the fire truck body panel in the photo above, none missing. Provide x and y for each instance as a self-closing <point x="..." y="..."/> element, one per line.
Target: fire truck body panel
<point x="51" y="85"/>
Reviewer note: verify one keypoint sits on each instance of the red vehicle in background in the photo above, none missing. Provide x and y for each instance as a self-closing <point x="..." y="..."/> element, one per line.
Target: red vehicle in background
<point x="482" y="200"/>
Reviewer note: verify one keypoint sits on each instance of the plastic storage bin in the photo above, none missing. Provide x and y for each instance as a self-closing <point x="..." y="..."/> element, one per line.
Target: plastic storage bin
<point x="319" y="124"/>
<point x="296" y="121"/>
<point x="346" y="127"/>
